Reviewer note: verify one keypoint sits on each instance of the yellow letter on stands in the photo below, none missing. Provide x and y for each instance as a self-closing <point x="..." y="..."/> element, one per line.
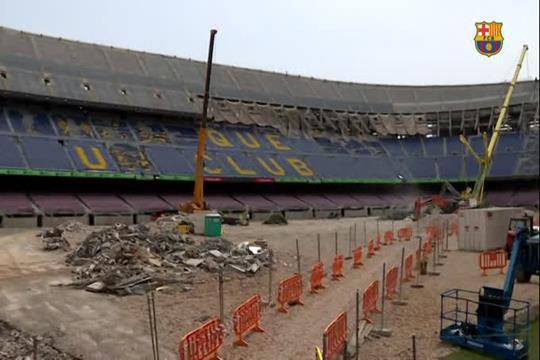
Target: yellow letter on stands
<point x="100" y="163"/>
<point x="276" y="170"/>
<point x="218" y="138"/>
<point x="274" y="140"/>
<point x="300" y="167"/>
<point x="238" y="169"/>
<point x="211" y="171"/>
<point x="252" y="143"/>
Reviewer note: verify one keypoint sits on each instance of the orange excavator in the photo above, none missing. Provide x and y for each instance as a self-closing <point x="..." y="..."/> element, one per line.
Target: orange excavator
<point x="198" y="202"/>
<point x="448" y="200"/>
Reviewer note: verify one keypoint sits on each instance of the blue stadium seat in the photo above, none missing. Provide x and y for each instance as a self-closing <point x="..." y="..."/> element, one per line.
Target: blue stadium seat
<point x="26" y="122"/>
<point x="510" y="142"/>
<point x="477" y="143"/>
<point x="434" y="146"/>
<point x="450" y="167"/>
<point x="4" y="127"/>
<point x="413" y="147"/>
<point x="149" y="131"/>
<point x="73" y="125"/>
<point x="356" y="148"/>
<point x="421" y="167"/>
<point x="330" y="147"/>
<point x="46" y="154"/>
<point x="170" y="160"/>
<point x="392" y="146"/>
<point x="111" y="127"/>
<point x="471" y="167"/>
<point x="182" y="135"/>
<point x="90" y="156"/>
<point x="10" y="155"/>
<point x="454" y="146"/>
<point x="131" y="158"/>
<point x="503" y="165"/>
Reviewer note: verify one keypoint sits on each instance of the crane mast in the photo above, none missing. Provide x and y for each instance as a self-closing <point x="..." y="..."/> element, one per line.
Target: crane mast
<point x="485" y="160"/>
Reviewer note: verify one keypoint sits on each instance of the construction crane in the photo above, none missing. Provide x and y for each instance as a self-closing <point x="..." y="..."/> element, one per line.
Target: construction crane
<point x="198" y="202"/>
<point x="484" y="162"/>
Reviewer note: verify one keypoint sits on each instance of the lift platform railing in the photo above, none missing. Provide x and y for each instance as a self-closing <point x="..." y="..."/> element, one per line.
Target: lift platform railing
<point x="461" y="324"/>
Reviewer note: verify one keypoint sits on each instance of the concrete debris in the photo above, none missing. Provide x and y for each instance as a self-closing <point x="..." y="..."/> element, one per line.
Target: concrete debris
<point x="15" y="344"/>
<point x="54" y="239"/>
<point x="133" y="259"/>
<point x="275" y="219"/>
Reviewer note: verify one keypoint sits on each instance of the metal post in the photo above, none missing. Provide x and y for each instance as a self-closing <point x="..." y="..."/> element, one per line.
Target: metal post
<point x="357" y="335"/>
<point x="349" y="253"/>
<point x="345" y="357"/>
<point x="150" y="323"/>
<point x="378" y="233"/>
<point x="324" y="347"/>
<point x="152" y="294"/>
<point x="439" y="255"/>
<point x="434" y="263"/>
<point x="221" y="302"/>
<point x="414" y="347"/>
<point x="399" y="300"/>
<point x="319" y="247"/>
<point x="35" y="347"/>
<point x="365" y="233"/>
<point x="336" y="241"/>
<point x="355" y="237"/>
<point x="298" y="257"/>
<point x="417" y="284"/>
<point x="446" y="233"/>
<point x="270" y="269"/>
<point x="383" y="294"/>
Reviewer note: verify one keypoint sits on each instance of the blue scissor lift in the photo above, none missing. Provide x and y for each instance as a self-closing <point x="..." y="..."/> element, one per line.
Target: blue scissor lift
<point x="489" y="320"/>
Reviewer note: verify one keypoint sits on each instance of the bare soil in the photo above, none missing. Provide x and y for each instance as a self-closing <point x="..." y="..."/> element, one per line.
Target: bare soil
<point x="97" y="326"/>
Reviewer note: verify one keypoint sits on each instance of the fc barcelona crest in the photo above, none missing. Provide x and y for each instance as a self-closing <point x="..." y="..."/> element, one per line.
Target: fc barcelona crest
<point x="488" y="39"/>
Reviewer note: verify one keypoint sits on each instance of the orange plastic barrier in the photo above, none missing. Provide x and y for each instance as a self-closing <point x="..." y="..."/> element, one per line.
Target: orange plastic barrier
<point x="202" y="343"/>
<point x="408" y="276"/>
<point x="391" y="282"/>
<point x="427" y="247"/>
<point x="337" y="267"/>
<point x="317" y="274"/>
<point x="370" y="298"/>
<point x="334" y="336"/>
<point x="247" y="317"/>
<point x="290" y="292"/>
<point x="378" y="243"/>
<point x="388" y="237"/>
<point x="371" y="249"/>
<point x="495" y="259"/>
<point x="357" y="257"/>
<point x="418" y="258"/>
<point x="405" y="234"/>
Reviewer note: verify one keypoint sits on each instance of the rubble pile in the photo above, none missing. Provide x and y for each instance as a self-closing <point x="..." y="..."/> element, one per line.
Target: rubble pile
<point x="56" y="238"/>
<point x="15" y="344"/>
<point x="132" y="259"/>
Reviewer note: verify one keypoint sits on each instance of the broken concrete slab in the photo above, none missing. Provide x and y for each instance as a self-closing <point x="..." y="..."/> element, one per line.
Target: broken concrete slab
<point x="193" y="262"/>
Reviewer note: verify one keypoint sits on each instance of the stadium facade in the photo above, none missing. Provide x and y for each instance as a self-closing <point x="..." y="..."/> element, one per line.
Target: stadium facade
<point x="89" y="130"/>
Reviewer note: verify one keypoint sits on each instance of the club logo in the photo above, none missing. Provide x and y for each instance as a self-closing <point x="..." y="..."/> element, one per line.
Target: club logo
<point x="488" y="40"/>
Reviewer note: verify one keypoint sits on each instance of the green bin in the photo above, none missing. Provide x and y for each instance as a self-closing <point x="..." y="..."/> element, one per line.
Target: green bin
<point x="212" y="225"/>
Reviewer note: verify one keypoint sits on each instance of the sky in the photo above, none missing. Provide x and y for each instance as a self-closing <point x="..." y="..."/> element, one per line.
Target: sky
<point x="407" y="42"/>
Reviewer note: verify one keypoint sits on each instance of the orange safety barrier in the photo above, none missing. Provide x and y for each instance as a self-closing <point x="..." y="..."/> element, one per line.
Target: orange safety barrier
<point x="378" y="242"/>
<point x="418" y="258"/>
<point x="357" y="257"/>
<point x="388" y="237"/>
<point x="337" y="267"/>
<point x="370" y="298"/>
<point x="427" y="247"/>
<point x="247" y="317"/>
<point x="391" y="282"/>
<point x="405" y="234"/>
<point x="371" y="249"/>
<point x="290" y="292"/>
<point x="408" y="276"/>
<point x="317" y="274"/>
<point x="494" y="259"/>
<point x="202" y="343"/>
<point x="334" y="336"/>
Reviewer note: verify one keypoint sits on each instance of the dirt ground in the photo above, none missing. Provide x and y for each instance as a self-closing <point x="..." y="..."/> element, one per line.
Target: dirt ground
<point x="97" y="326"/>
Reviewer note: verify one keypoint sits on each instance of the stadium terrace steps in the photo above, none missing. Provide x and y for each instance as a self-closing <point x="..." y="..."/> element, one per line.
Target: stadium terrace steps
<point x="14" y="203"/>
<point x="146" y="203"/>
<point x="58" y="203"/>
<point x="104" y="203"/>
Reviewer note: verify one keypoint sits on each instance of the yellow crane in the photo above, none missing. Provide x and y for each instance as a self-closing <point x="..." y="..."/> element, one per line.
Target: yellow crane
<point x="198" y="202"/>
<point x="476" y="197"/>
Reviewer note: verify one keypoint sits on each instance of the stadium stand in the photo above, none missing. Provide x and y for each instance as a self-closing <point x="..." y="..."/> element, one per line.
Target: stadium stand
<point x="83" y="112"/>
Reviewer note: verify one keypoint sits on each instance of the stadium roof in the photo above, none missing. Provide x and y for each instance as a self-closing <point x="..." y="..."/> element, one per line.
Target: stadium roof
<point x="69" y="71"/>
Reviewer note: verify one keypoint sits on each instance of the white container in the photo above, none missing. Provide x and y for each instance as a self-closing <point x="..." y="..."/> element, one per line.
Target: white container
<point x="485" y="229"/>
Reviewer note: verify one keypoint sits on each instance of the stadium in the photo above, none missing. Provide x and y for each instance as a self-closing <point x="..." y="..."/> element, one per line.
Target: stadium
<point x="99" y="137"/>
